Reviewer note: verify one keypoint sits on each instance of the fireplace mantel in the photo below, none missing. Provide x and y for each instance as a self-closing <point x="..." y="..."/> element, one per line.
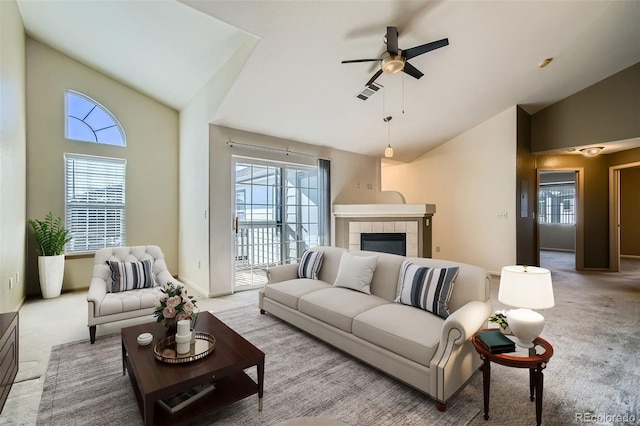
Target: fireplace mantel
<point x="383" y="210"/>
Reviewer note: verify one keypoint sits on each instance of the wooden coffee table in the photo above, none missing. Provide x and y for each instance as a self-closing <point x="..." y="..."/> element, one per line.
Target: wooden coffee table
<point x="153" y="380"/>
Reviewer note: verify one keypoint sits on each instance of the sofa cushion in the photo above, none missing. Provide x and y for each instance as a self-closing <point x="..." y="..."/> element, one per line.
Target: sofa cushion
<point x="356" y="272"/>
<point x="407" y="331"/>
<point x="330" y="262"/>
<point x="426" y="288"/>
<point x="288" y="292"/>
<point x="385" y="280"/>
<point x="131" y="275"/>
<point x="310" y="264"/>
<point x="126" y="301"/>
<point x="337" y="306"/>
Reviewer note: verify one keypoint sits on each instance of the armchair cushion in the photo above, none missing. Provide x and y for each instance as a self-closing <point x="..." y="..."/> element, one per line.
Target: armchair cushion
<point x="427" y="288"/>
<point x="131" y="275"/>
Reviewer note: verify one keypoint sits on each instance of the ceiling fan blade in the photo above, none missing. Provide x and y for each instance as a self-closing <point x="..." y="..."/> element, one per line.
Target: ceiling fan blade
<point x="419" y="50"/>
<point x="372" y="79"/>
<point x="412" y="71"/>
<point x="352" y="61"/>
<point x="392" y="40"/>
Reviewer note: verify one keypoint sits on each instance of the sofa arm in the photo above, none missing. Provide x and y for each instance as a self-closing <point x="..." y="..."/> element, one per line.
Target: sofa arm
<point x="95" y="295"/>
<point x="467" y="320"/>
<point x="282" y="273"/>
<point x="455" y="362"/>
<point x="164" y="277"/>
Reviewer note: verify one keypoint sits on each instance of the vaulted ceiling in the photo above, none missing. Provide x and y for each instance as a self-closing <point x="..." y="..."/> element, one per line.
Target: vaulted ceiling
<point x="294" y="86"/>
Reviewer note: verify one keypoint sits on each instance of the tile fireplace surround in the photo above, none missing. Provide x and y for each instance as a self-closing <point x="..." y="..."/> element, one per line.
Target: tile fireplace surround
<point x="414" y="220"/>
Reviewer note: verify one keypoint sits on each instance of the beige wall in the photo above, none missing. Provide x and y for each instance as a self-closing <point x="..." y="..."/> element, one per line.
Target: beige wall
<point x="354" y="179"/>
<point x="194" y="171"/>
<point x="470" y="179"/>
<point x="151" y="153"/>
<point x="12" y="157"/>
<point x="604" y="112"/>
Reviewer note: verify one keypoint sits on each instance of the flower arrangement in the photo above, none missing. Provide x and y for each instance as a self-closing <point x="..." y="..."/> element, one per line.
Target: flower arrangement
<point x="173" y="305"/>
<point x="500" y="317"/>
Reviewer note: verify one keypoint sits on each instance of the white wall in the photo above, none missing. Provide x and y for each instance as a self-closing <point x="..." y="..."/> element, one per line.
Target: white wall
<point x="470" y="179"/>
<point x="194" y="171"/>
<point x="12" y="157"/>
<point x="354" y="179"/>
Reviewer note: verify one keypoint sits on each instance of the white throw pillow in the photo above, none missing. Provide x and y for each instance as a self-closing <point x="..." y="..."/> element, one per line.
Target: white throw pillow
<point x="356" y="272"/>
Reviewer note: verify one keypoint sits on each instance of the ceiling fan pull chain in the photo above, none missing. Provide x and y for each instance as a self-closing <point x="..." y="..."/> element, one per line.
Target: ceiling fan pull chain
<point x="384" y="102"/>
<point x="403" y="93"/>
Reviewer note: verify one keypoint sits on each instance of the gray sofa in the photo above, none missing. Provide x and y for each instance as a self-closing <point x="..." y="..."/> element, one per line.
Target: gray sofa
<point x="423" y="350"/>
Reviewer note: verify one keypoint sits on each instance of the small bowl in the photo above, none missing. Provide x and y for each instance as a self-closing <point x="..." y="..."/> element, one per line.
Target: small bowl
<point x="144" y="339"/>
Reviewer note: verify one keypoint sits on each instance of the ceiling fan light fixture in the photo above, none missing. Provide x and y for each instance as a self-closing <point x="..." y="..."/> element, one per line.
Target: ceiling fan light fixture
<point x="591" y="151"/>
<point x="545" y="62"/>
<point x="392" y="64"/>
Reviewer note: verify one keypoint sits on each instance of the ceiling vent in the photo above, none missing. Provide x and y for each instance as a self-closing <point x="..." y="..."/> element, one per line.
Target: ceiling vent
<point x="368" y="91"/>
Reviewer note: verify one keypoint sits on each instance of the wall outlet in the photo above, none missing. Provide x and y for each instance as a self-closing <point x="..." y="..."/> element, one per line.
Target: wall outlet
<point x="437" y="249"/>
<point x="369" y="186"/>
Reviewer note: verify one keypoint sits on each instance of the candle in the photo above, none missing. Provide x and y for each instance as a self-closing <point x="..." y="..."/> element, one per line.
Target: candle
<point x="184" y="326"/>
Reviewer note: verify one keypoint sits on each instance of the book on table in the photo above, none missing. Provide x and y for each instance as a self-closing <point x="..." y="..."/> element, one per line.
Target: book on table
<point x="180" y="400"/>
<point x="496" y="342"/>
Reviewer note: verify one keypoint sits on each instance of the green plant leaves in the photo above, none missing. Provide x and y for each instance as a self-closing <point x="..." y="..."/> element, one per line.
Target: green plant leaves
<point x="50" y="235"/>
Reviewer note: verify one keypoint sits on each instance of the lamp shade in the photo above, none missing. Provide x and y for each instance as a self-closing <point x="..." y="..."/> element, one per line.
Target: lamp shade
<point x="388" y="152"/>
<point x="526" y="287"/>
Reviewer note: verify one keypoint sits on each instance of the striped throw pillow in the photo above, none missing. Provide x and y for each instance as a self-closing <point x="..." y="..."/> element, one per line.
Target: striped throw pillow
<point x="131" y="275"/>
<point x="310" y="264"/>
<point x="426" y="288"/>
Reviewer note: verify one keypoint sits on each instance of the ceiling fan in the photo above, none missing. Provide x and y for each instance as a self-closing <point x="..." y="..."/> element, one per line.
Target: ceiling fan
<point x="395" y="60"/>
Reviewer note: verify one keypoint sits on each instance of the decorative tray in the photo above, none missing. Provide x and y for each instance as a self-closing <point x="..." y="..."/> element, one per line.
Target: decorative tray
<point x="200" y="347"/>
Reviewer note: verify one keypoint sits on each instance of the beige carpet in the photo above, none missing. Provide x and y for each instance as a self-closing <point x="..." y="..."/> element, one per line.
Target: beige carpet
<point x="595" y="372"/>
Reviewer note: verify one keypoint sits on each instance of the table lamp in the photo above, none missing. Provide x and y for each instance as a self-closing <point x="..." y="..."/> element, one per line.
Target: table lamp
<point x="526" y="288"/>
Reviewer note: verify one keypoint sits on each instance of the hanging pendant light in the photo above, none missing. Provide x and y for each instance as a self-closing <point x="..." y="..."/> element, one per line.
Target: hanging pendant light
<point x="388" y="152"/>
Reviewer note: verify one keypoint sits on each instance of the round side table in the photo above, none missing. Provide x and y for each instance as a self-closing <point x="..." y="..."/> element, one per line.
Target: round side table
<point x="535" y="359"/>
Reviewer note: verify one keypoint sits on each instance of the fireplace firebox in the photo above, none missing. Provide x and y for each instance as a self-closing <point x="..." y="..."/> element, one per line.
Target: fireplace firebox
<point x="384" y="242"/>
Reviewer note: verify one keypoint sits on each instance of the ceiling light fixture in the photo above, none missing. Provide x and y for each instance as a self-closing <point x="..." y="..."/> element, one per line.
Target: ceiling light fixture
<point x="591" y="151"/>
<point x="545" y="62"/>
<point x="388" y="152"/>
<point x="393" y="64"/>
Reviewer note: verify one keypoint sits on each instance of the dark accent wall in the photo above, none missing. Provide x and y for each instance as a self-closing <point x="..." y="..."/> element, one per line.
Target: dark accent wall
<point x="526" y="194"/>
<point x="604" y="112"/>
<point x="596" y="203"/>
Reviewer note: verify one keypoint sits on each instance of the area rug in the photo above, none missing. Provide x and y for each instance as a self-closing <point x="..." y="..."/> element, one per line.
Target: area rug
<point x="304" y="377"/>
<point x="593" y="377"/>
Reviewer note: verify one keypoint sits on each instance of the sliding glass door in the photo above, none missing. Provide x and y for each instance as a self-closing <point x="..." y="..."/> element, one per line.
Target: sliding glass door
<point x="276" y="216"/>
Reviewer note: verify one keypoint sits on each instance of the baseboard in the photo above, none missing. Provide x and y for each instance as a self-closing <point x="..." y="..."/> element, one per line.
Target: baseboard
<point x="629" y="256"/>
<point x="192" y="287"/>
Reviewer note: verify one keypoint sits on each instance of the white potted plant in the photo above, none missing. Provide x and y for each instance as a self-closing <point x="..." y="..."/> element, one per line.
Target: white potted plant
<point x="51" y="237"/>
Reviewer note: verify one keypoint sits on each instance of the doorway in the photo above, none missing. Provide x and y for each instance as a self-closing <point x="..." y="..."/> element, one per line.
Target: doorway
<point x="560" y="239"/>
<point x="624" y="226"/>
<point x="276" y="217"/>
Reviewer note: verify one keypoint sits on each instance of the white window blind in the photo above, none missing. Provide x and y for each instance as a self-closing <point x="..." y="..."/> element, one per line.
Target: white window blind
<point x="94" y="202"/>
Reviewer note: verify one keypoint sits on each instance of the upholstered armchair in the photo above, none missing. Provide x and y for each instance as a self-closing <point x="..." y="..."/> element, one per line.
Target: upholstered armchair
<point x="139" y="274"/>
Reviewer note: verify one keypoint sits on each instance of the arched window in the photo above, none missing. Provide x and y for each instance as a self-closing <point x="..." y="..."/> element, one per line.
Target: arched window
<point x="89" y="121"/>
